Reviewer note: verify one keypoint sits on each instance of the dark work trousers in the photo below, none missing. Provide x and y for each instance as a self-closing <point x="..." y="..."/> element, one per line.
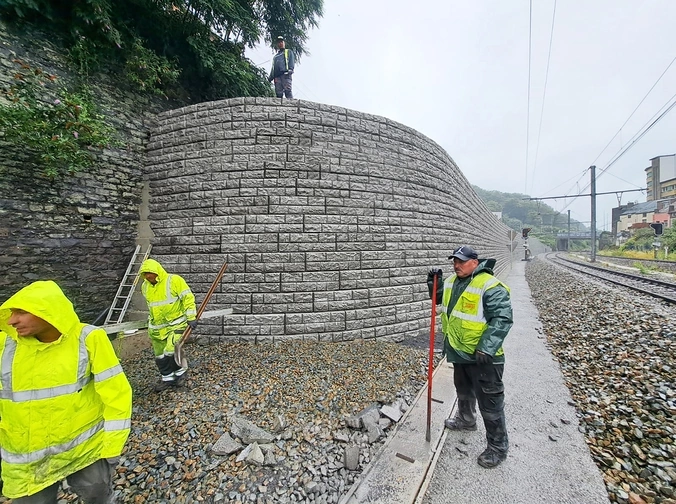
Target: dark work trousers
<point x="483" y="383"/>
<point x="94" y="485"/>
<point x="283" y="86"/>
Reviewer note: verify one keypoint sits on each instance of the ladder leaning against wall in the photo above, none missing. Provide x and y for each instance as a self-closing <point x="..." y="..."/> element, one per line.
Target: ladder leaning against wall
<point x="124" y="292"/>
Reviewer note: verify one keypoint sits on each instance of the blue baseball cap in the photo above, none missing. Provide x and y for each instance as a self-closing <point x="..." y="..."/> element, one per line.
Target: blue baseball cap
<point x="464" y="253"/>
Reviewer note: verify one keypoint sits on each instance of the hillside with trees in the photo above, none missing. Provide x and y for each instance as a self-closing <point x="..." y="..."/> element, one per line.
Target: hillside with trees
<point x="519" y="213"/>
<point x="191" y="50"/>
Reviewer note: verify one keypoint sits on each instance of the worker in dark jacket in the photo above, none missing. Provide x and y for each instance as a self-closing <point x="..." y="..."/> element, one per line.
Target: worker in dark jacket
<point x="282" y="69"/>
<point x="476" y="317"/>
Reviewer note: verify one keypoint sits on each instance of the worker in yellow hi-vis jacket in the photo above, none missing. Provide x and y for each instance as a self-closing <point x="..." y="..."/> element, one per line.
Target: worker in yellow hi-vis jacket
<point x="65" y="403"/>
<point x="171" y="309"/>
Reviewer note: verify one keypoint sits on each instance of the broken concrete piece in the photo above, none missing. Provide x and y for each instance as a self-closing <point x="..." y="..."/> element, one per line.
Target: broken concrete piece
<point x="279" y="424"/>
<point x="373" y="430"/>
<point x="384" y="423"/>
<point x="249" y="432"/>
<point x="351" y="457"/>
<point x="226" y="445"/>
<point x="394" y="414"/>
<point x="252" y="454"/>
<point x="357" y="421"/>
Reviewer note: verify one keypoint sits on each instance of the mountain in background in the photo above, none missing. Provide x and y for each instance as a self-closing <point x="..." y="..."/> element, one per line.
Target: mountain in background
<point x="519" y="213"/>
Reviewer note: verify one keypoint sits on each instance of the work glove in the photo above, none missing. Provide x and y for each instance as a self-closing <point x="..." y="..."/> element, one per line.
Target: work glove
<point x="440" y="283"/>
<point x="192" y="324"/>
<point x="483" y="358"/>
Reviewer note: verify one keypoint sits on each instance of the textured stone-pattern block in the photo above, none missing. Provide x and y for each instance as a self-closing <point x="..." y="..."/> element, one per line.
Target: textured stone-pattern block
<point x="328" y="218"/>
<point x="80" y="231"/>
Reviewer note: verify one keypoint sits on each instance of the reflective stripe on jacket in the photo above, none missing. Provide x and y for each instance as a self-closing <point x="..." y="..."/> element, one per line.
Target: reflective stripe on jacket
<point x="170" y="300"/>
<point x="282" y="62"/>
<point x="63" y="405"/>
<point x="466" y="322"/>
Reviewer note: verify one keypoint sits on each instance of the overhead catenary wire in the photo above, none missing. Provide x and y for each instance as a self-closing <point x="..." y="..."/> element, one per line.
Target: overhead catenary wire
<point x="656" y="118"/>
<point x="635" y="109"/>
<point x="544" y="97"/>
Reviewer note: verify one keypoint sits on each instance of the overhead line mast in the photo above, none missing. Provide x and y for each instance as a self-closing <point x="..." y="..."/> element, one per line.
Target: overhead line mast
<point x="593" y="195"/>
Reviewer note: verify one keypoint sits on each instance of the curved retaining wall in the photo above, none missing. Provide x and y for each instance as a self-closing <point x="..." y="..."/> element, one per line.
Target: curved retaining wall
<point x="328" y="218"/>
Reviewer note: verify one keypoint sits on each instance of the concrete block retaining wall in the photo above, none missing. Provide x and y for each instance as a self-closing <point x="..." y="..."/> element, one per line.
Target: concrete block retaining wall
<point x="328" y="218"/>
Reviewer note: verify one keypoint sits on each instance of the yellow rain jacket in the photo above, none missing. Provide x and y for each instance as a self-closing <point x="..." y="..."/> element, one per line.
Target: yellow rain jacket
<point x="63" y="405"/>
<point x="171" y="303"/>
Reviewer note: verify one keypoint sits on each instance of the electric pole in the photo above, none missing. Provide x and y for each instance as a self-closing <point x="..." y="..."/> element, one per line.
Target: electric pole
<point x="592" y="168"/>
<point x="568" y="242"/>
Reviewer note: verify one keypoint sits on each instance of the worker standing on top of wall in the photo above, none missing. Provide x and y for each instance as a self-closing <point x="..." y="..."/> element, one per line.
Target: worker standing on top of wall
<point x="171" y="309"/>
<point x="282" y="69"/>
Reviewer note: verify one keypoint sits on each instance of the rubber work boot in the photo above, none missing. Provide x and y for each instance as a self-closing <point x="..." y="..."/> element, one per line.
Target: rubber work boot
<point x="491" y="458"/>
<point x="180" y="380"/>
<point x="163" y="385"/>
<point x="465" y="417"/>
<point x="457" y="423"/>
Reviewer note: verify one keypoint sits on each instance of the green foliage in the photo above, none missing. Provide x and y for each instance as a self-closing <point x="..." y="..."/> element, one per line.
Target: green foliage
<point x="518" y="213"/>
<point x="188" y="48"/>
<point x="148" y="71"/>
<point x="642" y="239"/>
<point x="643" y="268"/>
<point x="58" y="136"/>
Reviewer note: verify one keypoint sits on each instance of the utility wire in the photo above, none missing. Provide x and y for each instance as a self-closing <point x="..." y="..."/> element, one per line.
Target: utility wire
<point x="544" y="95"/>
<point x="530" y="38"/>
<point x="634" y="111"/>
<point x="641" y="135"/>
<point x="658" y="116"/>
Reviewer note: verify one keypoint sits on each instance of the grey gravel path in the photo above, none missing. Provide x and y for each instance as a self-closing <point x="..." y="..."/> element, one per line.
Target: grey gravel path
<point x="548" y="460"/>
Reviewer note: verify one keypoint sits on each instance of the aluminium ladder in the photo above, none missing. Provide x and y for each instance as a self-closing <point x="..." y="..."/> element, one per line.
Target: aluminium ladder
<point x="127" y="286"/>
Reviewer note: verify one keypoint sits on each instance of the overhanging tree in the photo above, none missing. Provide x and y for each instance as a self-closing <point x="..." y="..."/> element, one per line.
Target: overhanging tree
<point x="158" y="44"/>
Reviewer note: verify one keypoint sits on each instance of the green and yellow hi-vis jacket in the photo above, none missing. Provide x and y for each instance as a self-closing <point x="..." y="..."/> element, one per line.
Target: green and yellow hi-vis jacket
<point x="170" y="300"/>
<point x="63" y="405"/>
<point x="477" y="315"/>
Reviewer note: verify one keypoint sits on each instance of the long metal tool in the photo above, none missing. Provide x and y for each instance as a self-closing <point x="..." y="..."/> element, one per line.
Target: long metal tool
<point x="178" y="348"/>
<point x="430" y="364"/>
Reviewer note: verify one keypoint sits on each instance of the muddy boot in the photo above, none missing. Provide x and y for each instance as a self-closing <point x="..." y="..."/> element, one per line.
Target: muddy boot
<point x="498" y="442"/>
<point x="491" y="458"/>
<point x="163" y="385"/>
<point x="181" y="380"/>
<point x="465" y="417"/>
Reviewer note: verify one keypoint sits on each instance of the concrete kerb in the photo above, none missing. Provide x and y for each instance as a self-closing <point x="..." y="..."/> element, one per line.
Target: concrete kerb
<point x="393" y="476"/>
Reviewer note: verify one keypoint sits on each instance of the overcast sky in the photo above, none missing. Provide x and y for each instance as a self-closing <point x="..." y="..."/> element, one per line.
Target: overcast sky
<point x="457" y="71"/>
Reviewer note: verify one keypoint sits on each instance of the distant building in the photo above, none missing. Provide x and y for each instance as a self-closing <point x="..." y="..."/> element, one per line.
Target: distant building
<point x="638" y="213"/>
<point x="661" y="178"/>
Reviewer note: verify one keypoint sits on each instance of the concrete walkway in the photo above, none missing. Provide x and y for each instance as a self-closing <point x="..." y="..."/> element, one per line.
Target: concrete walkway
<point x="548" y="463"/>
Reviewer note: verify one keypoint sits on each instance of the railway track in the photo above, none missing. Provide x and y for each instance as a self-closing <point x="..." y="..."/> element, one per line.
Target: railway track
<point x="660" y="289"/>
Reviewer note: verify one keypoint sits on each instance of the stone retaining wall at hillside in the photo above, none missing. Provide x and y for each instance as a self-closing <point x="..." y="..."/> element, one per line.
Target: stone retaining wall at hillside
<point x="328" y="218"/>
<point x="81" y="230"/>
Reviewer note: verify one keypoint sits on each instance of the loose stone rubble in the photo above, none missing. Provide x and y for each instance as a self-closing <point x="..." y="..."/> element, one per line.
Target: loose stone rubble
<point x="617" y="352"/>
<point x="291" y="422"/>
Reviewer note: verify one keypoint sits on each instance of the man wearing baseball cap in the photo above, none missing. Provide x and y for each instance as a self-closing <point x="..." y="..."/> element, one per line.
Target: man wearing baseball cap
<point x="282" y="69"/>
<point x="476" y="317"/>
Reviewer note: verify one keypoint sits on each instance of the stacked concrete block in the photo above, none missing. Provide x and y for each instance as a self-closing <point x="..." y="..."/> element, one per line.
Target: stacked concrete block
<point x="329" y="218"/>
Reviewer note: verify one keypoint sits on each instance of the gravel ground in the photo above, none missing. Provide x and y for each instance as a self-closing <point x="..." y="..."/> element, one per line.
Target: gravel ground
<point x="313" y="386"/>
<point x="617" y="352"/>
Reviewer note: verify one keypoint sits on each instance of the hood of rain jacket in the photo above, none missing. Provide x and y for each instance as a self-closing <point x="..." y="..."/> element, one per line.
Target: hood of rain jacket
<point x="64" y="404"/>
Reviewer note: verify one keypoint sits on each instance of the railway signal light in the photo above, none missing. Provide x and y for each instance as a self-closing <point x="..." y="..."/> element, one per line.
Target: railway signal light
<point x="525" y="231"/>
<point x="657" y="228"/>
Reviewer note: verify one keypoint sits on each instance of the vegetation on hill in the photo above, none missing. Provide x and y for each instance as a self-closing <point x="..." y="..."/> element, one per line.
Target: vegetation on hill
<point x="519" y="213"/>
<point x="189" y="49"/>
